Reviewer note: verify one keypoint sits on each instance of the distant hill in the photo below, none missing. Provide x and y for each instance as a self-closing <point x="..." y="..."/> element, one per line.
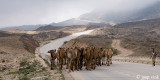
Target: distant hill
<point x="48" y="27"/>
<point x="67" y="28"/>
<point x="24" y="27"/>
<point x="77" y="21"/>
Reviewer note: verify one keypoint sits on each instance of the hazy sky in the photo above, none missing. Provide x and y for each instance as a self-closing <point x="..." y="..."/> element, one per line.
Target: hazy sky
<point x="30" y="12"/>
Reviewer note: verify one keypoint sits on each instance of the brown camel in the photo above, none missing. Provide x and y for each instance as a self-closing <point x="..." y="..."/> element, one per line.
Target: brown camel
<point x="108" y="56"/>
<point x="88" y="57"/>
<point x="69" y="58"/>
<point x="81" y="59"/>
<point x="60" y="56"/>
<point x="95" y="57"/>
<point x="53" y="57"/>
<point x="65" y="57"/>
<point x="100" y="55"/>
<point x="77" y="54"/>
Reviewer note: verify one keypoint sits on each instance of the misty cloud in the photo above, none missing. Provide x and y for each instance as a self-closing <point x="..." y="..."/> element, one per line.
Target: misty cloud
<point x="28" y="12"/>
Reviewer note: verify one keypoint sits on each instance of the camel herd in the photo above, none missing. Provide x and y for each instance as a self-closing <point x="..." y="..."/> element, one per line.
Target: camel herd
<point x="76" y="58"/>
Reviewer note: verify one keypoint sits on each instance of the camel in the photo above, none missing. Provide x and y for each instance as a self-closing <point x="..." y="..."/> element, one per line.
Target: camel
<point x="77" y="54"/>
<point x="65" y="57"/>
<point x="81" y="59"/>
<point x="88" y="57"/>
<point x="108" y="56"/>
<point x="60" y="56"/>
<point x="53" y="57"/>
<point x="95" y="57"/>
<point x="73" y="56"/>
<point x="69" y="58"/>
<point x="100" y="55"/>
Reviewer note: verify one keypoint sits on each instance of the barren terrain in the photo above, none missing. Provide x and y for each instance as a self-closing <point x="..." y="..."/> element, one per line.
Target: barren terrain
<point x="123" y="52"/>
<point x="19" y="61"/>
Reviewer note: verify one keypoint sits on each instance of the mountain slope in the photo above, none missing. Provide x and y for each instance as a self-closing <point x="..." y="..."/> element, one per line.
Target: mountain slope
<point x="114" y="17"/>
<point x="140" y="37"/>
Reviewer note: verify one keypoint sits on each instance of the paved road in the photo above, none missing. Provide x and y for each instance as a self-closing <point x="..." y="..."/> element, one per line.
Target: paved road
<point x="55" y="44"/>
<point x="117" y="71"/>
<point x="120" y="71"/>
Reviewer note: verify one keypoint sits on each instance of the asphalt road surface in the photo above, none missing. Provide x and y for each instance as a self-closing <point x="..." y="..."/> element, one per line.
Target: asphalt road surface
<point x="119" y="71"/>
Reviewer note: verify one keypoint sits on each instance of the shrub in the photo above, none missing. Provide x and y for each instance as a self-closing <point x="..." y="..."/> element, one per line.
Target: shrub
<point x="24" y="63"/>
<point x="24" y="78"/>
<point x="3" y="61"/>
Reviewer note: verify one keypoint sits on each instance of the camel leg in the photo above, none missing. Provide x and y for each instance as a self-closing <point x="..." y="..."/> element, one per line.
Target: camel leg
<point x="100" y="61"/>
<point x="81" y="63"/>
<point x="70" y="62"/>
<point x="86" y="65"/>
<point x="51" y="64"/>
<point x="77" y="64"/>
<point x="108" y="64"/>
<point x="74" y="64"/>
<point x="64" y="61"/>
<point x="93" y="63"/>
<point x="58" y="63"/>
<point x="61" y="63"/>
<point x="90" y="65"/>
<point x="67" y="63"/>
<point x="110" y="60"/>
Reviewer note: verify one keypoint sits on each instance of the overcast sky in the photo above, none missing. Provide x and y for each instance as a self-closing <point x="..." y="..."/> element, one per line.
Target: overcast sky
<point x="31" y="12"/>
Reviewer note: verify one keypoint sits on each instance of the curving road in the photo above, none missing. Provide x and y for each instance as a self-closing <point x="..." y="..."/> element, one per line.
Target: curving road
<point x="117" y="71"/>
<point x="55" y="44"/>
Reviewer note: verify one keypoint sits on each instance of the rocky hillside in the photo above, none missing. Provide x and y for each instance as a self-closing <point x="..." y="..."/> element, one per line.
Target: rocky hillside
<point x="68" y="29"/>
<point x="21" y="44"/>
<point x="139" y="37"/>
<point x="47" y="36"/>
<point x="18" y="60"/>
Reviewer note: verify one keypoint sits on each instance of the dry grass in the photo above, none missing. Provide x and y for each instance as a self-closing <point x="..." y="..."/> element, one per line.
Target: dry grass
<point x="144" y="60"/>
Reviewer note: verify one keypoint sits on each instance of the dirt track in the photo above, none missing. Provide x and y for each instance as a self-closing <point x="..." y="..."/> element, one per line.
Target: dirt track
<point x="124" y="52"/>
